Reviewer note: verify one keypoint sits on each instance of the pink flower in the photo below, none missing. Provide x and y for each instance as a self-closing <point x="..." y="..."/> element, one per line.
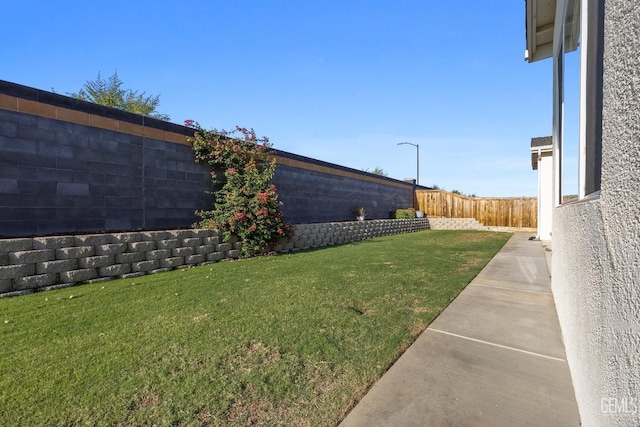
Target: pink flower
<point x="188" y="123"/>
<point x="232" y="171"/>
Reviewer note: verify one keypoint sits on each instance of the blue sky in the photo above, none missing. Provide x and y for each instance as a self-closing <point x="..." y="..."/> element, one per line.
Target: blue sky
<point x="340" y="81"/>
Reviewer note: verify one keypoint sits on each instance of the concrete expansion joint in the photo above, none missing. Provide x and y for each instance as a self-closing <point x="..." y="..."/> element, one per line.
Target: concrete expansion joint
<point x="510" y="289"/>
<point x="531" y="353"/>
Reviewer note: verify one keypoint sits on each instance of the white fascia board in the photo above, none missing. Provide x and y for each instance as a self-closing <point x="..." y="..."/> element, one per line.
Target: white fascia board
<point x="542" y="148"/>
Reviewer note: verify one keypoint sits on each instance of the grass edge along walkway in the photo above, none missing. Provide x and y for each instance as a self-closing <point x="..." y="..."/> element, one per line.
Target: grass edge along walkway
<point x="291" y="339"/>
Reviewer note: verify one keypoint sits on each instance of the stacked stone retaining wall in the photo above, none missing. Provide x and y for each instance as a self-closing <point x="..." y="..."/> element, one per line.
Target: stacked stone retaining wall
<point x="437" y="223"/>
<point x="43" y="263"/>
<point x="307" y="236"/>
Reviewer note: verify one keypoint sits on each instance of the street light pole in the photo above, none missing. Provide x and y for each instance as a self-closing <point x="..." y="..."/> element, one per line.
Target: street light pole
<point x="417" y="159"/>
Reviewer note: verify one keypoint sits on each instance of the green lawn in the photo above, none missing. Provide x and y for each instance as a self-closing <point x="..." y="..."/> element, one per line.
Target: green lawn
<point x="284" y="340"/>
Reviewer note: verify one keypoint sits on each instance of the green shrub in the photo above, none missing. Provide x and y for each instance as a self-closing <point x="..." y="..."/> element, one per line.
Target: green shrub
<point x="408" y="213"/>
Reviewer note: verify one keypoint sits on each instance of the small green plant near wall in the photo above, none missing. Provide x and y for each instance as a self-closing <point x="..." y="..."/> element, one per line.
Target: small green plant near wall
<point x="247" y="205"/>
<point x="408" y="213"/>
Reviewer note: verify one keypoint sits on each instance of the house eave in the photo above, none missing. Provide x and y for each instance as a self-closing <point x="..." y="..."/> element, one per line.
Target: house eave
<point x="536" y="153"/>
<point x="541" y="27"/>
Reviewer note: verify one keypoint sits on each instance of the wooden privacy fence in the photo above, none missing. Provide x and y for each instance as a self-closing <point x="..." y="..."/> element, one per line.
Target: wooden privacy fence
<point x="503" y="212"/>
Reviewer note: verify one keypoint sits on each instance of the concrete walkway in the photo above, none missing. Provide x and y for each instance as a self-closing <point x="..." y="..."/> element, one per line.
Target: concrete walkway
<point x="494" y="357"/>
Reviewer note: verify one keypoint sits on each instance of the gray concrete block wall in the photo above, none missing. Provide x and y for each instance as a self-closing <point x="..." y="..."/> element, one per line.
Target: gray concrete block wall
<point x="58" y="177"/>
<point x="175" y="186"/>
<point x="310" y="196"/>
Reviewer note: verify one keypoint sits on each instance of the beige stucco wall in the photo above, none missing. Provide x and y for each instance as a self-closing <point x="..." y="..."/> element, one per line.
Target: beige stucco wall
<point x="596" y="245"/>
<point x="545" y="195"/>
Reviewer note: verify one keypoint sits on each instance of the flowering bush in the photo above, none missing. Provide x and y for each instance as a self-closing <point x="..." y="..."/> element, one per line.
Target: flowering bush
<point x="247" y="205"/>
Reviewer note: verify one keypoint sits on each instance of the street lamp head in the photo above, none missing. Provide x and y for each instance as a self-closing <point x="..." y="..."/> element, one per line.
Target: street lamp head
<point x="417" y="159"/>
